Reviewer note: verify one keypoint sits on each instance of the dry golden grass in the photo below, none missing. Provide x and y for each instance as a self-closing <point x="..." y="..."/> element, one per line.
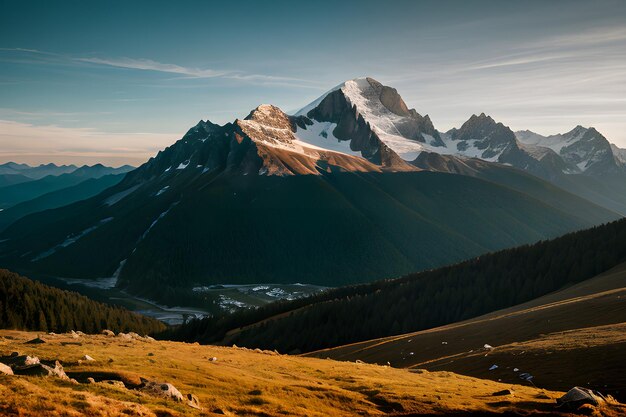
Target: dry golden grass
<point x="576" y="336"/>
<point x="242" y="382"/>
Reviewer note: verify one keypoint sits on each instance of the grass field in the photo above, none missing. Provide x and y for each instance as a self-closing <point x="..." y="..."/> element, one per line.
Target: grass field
<point x="576" y="336"/>
<point x="244" y="382"/>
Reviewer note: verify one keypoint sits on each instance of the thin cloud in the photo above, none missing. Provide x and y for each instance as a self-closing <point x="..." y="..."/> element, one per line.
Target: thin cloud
<point x="150" y="65"/>
<point x="20" y="142"/>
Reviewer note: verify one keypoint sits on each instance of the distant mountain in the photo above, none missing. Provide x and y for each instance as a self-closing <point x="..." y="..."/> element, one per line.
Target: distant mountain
<point x="12" y="179"/>
<point x="36" y="172"/>
<point x="584" y="150"/>
<point x="261" y="200"/>
<point x="21" y="192"/>
<point x="58" y="198"/>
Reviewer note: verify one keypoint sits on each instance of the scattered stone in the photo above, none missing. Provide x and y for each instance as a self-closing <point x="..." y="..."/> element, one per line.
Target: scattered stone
<point x="91" y="380"/>
<point x="125" y="336"/>
<point x="579" y="396"/>
<point x="488" y="347"/>
<point x="36" y="341"/>
<point x="161" y="389"/>
<point x="17" y="361"/>
<point x="87" y="358"/>
<point x="213" y="359"/>
<point x="503" y="392"/>
<point x="80" y="333"/>
<point x="192" y="401"/>
<point x="526" y="376"/>
<point x="6" y="370"/>
<point x="74" y="334"/>
<point x="41" y="369"/>
<point x="444" y="343"/>
<point x="149" y="339"/>
<point x="115" y="383"/>
<point x="515" y="369"/>
<point x="110" y="360"/>
<point x="359" y="361"/>
<point x="73" y="381"/>
<point x="108" y="333"/>
<point x="150" y="354"/>
<point x="493" y="367"/>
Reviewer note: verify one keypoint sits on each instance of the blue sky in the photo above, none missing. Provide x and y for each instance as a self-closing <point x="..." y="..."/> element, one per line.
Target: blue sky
<point x="114" y="81"/>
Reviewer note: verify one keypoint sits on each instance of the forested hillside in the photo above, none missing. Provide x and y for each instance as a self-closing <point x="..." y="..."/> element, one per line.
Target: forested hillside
<point x="419" y="301"/>
<point x="30" y="305"/>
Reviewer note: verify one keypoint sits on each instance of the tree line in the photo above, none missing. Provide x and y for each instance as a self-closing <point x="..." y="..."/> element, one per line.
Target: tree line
<point x="418" y="301"/>
<point x="31" y="305"/>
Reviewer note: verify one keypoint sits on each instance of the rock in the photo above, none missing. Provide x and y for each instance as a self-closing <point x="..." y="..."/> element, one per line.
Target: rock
<point x="526" y="376"/>
<point x="115" y="383"/>
<point x="5" y="369"/>
<point x="73" y="381"/>
<point x="91" y="380"/>
<point x="40" y="369"/>
<point x="108" y="333"/>
<point x="359" y="361"/>
<point x="161" y="389"/>
<point x="488" y="347"/>
<point x="493" y="367"/>
<point x="149" y="339"/>
<point x="36" y="341"/>
<point x="125" y="336"/>
<point x="17" y="361"/>
<point x="80" y="333"/>
<point x="74" y="334"/>
<point x="87" y="358"/>
<point x="192" y="401"/>
<point x="213" y="359"/>
<point x="503" y="392"/>
<point x="578" y="396"/>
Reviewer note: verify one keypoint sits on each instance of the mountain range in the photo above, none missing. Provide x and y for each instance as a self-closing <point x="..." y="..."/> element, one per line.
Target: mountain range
<point x="336" y="193"/>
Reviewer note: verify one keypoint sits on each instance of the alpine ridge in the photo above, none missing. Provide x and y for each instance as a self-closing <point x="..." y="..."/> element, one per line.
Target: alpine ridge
<point x="336" y="193"/>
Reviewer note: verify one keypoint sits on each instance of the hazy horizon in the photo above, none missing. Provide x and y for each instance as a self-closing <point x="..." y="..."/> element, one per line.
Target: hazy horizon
<point x="116" y="82"/>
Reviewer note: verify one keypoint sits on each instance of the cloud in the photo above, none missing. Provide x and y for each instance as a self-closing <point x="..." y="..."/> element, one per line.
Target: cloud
<point x="149" y="65"/>
<point x="24" y="142"/>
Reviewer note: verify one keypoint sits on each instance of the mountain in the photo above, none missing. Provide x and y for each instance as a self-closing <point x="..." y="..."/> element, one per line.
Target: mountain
<point x="11" y="179"/>
<point x="278" y="198"/>
<point x="36" y="172"/>
<point x="429" y="299"/>
<point x="21" y="192"/>
<point x="584" y="150"/>
<point x="62" y="197"/>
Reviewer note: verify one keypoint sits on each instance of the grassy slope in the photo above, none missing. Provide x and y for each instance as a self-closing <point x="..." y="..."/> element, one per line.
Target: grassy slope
<point x="245" y="382"/>
<point x="576" y="336"/>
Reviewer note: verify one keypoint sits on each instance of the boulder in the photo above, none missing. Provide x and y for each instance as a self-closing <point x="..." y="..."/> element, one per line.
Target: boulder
<point x="192" y="401"/>
<point x="108" y="333"/>
<point x="579" y="396"/>
<point x="115" y="383"/>
<point x="5" y="369"/>
<point x="41" y="369"/>
<point x="161" y="389"/>
<point x="17" y="361"/>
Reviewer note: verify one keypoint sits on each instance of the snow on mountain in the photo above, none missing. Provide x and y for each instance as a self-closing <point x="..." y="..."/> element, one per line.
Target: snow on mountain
<point x="619" y="153"/>
<point x="583" y="148"/>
